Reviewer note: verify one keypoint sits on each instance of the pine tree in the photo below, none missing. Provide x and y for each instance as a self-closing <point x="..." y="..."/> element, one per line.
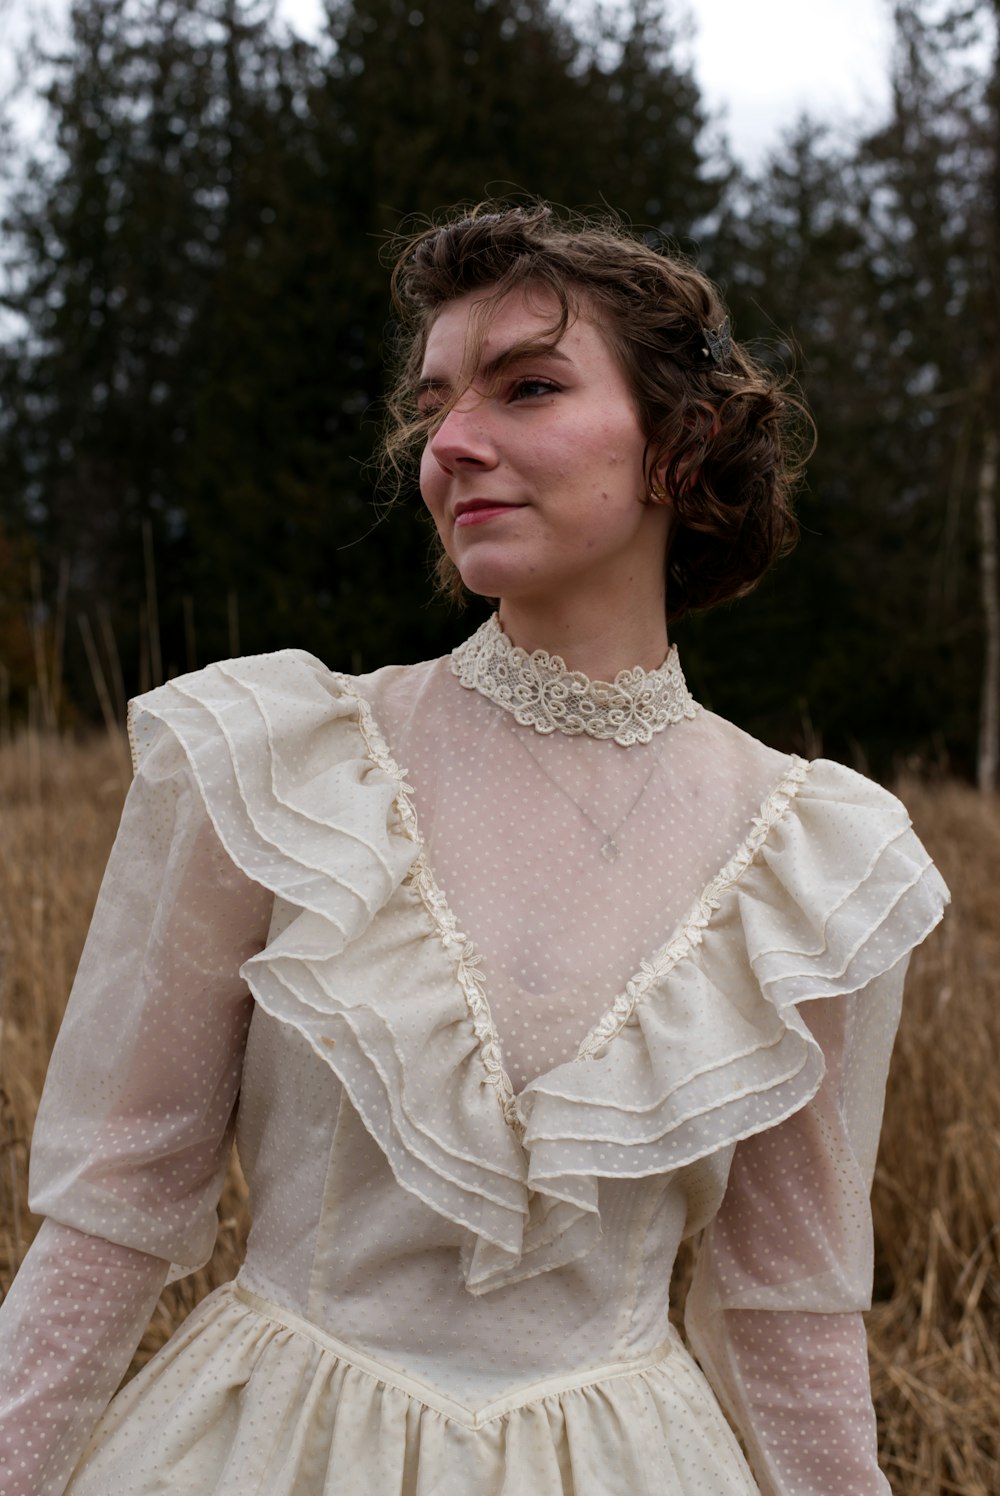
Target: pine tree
<point x="118" y="241"/>
<point x="199" y="267"/>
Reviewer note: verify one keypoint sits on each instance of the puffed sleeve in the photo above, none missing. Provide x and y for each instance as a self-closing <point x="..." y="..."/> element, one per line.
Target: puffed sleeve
<point x="784" y="1271"/>
<point x="135" y="1122"/>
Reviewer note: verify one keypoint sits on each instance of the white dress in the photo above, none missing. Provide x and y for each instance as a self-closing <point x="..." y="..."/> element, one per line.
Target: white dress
<point x="496" y="1032"/>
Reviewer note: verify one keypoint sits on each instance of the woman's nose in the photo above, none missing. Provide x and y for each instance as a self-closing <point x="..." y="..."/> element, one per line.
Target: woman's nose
<point x="464" y="438"/>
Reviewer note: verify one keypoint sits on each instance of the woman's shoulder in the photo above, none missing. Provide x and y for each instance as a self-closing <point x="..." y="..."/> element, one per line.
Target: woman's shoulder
<point x="203" y="709"/>
<point x="276" y="697"/>
<point x="833" y="884"/>
<point x="827" y="851"/>
<point x="291" y="666"/>
<point x="283" y="754"/>
<point x="288" y="667"/>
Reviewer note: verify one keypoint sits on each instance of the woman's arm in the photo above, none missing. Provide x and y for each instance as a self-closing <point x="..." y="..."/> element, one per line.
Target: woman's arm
<point x="784" y="1272"/>
<point x="69" y="1326"/>
<point x="135" y="1123"/>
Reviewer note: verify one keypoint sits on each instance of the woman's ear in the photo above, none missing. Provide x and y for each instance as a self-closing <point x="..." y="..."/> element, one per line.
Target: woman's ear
<point x="657" y="490"/>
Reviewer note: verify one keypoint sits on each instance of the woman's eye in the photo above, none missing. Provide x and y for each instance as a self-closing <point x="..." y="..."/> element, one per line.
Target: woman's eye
<point x="532" y="389"/>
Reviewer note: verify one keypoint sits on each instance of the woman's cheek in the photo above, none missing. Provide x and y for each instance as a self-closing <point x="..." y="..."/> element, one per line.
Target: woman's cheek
<point x="430" y="488"/>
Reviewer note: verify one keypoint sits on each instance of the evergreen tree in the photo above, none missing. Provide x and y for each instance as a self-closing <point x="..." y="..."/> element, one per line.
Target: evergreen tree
<point x="789" y="254"/>
<point x="875" y="262"/>
<point x="118" y="241"/>
<point x="199" y="270"/>
<point x="931" y="181"/>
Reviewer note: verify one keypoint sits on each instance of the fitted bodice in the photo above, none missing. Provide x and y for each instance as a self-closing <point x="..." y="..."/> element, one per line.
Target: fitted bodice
<point x="552" y="932"/>
<point x="503" y="1012"/>
<point x="337" y="1242"/>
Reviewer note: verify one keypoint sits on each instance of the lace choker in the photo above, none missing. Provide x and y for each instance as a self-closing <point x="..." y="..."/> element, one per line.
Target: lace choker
<point x="540" y="692"/>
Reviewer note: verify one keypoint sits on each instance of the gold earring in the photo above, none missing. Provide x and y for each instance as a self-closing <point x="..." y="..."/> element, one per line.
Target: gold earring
<point x="657" y="493"/>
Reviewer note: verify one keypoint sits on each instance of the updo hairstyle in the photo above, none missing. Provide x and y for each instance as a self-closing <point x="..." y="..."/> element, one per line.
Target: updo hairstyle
<point x="729" y="438"/>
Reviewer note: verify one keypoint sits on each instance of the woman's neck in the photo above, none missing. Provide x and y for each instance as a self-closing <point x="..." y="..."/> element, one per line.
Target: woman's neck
<point x="590" y="639"/>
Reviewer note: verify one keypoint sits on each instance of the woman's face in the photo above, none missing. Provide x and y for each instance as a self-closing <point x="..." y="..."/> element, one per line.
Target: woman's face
<point x="535" y="477"/>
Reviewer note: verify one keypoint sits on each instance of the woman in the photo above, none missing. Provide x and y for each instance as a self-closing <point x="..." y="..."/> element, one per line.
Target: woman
<point x="598" y="972"/>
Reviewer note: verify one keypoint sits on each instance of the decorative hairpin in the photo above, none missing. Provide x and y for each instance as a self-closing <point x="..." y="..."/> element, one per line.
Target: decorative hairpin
<point x="718" y="344"/>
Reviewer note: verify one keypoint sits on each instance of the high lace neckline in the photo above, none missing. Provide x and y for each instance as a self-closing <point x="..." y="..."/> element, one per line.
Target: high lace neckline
<point x="540" y="692"/>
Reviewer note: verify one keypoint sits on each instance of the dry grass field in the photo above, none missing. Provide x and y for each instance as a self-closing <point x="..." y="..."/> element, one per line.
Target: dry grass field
<point x="935" y="1327"/>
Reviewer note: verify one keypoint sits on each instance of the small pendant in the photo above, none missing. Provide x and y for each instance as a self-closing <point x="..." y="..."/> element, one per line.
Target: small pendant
<point x="611" y="851"/>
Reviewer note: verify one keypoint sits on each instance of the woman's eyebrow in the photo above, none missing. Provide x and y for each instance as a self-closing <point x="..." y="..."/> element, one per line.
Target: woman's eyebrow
<point x="507" y="358"/>
<point x="519" y="353"/>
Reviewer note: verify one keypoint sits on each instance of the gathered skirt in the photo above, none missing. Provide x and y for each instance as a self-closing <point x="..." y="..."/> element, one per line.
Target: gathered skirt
<point x="247" y="1398"/>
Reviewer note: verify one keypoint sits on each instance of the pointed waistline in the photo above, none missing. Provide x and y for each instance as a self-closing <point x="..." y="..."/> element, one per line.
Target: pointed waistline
<point x="423" y="1392"/>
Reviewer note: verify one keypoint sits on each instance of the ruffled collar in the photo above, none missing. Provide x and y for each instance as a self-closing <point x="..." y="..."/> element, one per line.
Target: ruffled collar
<point x="539" y="691"/>
<point x="705" y="1046"/>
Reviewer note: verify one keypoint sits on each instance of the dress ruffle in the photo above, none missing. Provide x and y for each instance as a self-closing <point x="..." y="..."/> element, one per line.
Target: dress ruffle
<point x="705" y="1047"/>
<point x="276" y="747"/>
<point x="837" y="891"/>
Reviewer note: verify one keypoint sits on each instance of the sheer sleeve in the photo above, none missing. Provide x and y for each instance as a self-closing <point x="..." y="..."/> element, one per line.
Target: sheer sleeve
<point x="785" y="1269"/>
<point x="135" y="1122"/>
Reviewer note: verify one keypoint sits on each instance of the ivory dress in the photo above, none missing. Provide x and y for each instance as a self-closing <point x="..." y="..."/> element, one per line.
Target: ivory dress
<point x="496" y="1032"/>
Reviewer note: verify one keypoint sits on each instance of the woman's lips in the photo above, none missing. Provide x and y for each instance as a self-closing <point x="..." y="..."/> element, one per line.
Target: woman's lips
<point x="481" y="510"/>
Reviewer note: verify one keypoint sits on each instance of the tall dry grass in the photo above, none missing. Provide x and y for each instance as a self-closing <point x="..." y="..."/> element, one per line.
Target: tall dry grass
<point x="935" y="1327"/>
<point x="59" y="807"/>
<point x="934" y="1331"/>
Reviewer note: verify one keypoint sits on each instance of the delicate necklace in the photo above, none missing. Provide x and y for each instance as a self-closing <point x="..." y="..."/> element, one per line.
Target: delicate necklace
<point x="610" y="850"/>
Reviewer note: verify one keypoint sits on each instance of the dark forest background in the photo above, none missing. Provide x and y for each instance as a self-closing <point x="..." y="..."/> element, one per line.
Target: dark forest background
<point x="196" y="322"/>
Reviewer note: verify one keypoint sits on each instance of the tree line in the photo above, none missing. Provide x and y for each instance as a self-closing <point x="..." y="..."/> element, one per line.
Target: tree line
<point x="196" y="326"/>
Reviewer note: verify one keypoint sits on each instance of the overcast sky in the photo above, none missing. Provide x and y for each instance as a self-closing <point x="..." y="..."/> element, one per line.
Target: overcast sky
<point x="759" y="62"/>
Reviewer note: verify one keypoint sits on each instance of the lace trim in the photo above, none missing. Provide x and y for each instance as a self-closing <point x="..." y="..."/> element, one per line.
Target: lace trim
<point x="467" y="960"/>
<point x="458" y="946"/>
<point x="541" y="693"/>
<point x="691" y="932"/>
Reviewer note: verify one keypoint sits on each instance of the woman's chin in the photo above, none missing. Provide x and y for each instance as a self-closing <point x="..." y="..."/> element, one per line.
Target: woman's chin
<point x="489" y="579"/>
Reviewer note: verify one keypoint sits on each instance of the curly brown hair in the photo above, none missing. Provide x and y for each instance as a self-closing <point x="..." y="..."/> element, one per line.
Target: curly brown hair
<point x="723" y="428"/>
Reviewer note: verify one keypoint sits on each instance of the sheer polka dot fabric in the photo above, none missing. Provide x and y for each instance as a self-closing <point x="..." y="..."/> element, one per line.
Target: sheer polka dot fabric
<point x="494" y="1039"/>
<point x="568" y="860"/>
